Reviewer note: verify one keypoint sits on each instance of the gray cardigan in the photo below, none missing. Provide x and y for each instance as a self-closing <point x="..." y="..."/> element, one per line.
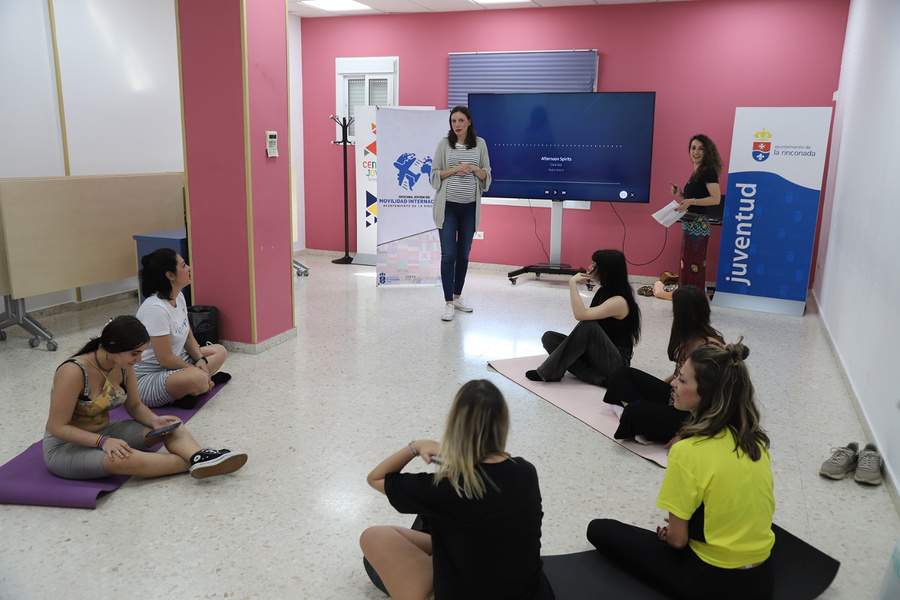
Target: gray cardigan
<point x="440" y="162"/>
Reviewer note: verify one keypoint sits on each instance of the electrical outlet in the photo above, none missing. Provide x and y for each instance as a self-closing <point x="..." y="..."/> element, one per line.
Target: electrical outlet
<point x="479" y="235"/>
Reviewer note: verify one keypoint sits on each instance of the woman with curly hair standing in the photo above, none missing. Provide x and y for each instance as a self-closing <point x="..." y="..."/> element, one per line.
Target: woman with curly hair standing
<point x="701" y="191"/>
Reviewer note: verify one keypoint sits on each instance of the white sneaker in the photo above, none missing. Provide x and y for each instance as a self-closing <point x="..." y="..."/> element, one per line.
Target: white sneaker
<point x="461" y="304"/>
<point x="447" y="315"/>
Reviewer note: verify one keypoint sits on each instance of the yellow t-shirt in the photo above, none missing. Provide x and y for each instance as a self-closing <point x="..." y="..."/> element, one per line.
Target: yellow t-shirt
<point x="735" y="493"/>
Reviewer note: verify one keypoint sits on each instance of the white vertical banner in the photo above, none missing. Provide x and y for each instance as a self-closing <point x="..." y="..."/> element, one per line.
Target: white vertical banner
<point x="771" y="209"/>
<point x="366" y="186"/>
<point x="409" y="250"/>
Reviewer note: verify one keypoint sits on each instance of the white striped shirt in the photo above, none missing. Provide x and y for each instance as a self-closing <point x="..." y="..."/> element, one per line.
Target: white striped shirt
<point x="462" y="189"/>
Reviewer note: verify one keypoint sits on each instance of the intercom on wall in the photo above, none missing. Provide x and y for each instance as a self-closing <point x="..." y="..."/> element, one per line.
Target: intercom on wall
<point x="272" y="143"/>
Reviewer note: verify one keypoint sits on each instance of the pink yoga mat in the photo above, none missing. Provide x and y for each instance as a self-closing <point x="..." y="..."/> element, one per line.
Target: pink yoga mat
<point x="581" y="400"/>
<point x="26" y="480"/>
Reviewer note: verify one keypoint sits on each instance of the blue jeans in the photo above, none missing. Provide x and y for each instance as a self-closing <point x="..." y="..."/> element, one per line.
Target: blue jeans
<point x="456" y="242"/>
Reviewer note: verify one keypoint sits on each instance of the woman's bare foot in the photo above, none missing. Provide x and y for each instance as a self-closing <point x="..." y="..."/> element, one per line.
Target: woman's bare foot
<point x="659" y="290"/>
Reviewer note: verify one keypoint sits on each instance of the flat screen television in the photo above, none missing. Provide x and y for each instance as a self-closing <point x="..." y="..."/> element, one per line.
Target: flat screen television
<point x="592" y="146"/>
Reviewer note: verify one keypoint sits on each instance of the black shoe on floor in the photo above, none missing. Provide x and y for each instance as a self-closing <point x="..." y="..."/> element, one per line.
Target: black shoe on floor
<point x="187" y="403"/>
<point x="532" y="375"/>
<point x="220" y="377"/>
<point x="208" y="462"/>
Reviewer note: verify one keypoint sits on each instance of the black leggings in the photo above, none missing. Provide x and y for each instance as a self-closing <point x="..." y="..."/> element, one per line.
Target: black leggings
<point x="648" y="412"/>
<point x="676" y="573"/>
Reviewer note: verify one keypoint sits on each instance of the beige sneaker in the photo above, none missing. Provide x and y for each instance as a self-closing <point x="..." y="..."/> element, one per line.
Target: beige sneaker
<point x="842" y="461"/>
<point x="868" y="469"/>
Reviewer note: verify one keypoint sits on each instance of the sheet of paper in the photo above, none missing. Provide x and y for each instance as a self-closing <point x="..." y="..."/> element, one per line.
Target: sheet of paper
<point x="667" y="215"/>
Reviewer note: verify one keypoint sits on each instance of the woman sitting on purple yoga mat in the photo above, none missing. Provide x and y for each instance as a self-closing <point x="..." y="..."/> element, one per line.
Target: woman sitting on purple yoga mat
<point x="717" y="491"/>
<point x="82" y="443"/>
<point x="175" y="368"/>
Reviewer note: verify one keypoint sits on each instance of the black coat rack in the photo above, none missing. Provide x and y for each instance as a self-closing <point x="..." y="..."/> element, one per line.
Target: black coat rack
<point x="345" y="126"/>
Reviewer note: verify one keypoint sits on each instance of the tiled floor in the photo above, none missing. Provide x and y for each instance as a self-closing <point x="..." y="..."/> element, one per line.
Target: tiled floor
<point x="370" y="369"/>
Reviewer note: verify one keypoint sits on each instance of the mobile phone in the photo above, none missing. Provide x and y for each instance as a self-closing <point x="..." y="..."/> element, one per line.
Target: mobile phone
<point x="436" y="459"/>
<point x="165" y="429"/>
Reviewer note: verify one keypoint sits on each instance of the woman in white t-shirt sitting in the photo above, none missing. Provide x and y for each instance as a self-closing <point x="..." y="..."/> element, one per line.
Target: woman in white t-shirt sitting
<point x="175" y="368"/>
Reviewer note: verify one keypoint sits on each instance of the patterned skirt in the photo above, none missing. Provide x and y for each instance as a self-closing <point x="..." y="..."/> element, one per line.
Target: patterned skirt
<point x="694" y="241"/>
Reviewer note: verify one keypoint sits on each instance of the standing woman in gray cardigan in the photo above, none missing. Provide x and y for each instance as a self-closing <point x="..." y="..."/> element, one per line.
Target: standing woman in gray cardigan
<point x="460" y="172"/>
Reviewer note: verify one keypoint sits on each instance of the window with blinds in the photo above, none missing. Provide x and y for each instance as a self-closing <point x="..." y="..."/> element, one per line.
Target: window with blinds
<point x="509" y="72"/>
<point x="368" y="81"/>
<point x="366" y="91"/>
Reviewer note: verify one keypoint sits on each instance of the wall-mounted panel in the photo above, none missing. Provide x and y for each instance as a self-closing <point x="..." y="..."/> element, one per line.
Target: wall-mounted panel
<point x="56" y="232"/>
<point x="30" y="140"/>
<point x="119" y="73"/>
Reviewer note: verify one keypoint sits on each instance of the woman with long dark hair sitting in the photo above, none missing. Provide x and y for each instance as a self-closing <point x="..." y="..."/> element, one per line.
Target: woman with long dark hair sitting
<point x="81" y="442"/>
<point x="175" y="368"/>
<point x="604" y="338"/>
<point x="649" y="410"/>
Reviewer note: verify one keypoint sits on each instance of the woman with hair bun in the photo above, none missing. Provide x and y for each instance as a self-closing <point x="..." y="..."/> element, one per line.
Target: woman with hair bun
<point x="81" y="442"/>
<point x="718" y="491"/>
<point x="175" y="368"/>
<point x="482" y="505"/>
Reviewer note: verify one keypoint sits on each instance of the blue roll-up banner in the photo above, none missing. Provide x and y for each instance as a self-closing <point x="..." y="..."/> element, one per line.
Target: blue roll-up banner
<point x="771" y="208"/>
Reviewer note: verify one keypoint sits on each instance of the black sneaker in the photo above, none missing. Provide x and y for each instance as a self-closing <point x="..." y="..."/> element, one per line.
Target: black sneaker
<point x="221" y="377"/>
<point x="187" y="403"/>
<point x="208" y="462"/>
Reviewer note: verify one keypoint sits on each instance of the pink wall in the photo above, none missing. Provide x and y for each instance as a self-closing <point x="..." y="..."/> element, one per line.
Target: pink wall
<point x="226" y="274"/>
<point x="702" y="58"/>
<point x="212" y="92"/>
<point x="270" y="177"/>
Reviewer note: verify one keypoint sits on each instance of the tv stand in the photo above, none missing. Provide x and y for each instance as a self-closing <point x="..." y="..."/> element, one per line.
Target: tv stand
<point x="554" y="267"/>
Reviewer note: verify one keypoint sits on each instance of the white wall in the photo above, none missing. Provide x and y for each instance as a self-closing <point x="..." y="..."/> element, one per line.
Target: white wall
<point x="30" y="140"/>
<point x="118" y="73"/>
<point x="296" y="111"/>
<point x="858" y="275"/>
<point x="118" y="64"/>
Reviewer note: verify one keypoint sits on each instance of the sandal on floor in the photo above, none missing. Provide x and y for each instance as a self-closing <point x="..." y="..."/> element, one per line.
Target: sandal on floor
<point x="646" y="290"/>
<point x="668" y="278"/>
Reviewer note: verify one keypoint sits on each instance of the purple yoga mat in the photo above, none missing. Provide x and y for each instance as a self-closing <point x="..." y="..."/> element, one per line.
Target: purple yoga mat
<point x="26" y="480"/>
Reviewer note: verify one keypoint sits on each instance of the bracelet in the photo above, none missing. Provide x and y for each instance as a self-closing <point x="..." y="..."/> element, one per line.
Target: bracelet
<point x="201" y="358"/>
<point x="101" y="441"/>
<point x="412" y="449"/>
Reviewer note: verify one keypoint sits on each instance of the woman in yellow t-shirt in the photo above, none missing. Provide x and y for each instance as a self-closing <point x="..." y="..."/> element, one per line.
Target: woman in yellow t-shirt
<point x="717" y="490"/>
